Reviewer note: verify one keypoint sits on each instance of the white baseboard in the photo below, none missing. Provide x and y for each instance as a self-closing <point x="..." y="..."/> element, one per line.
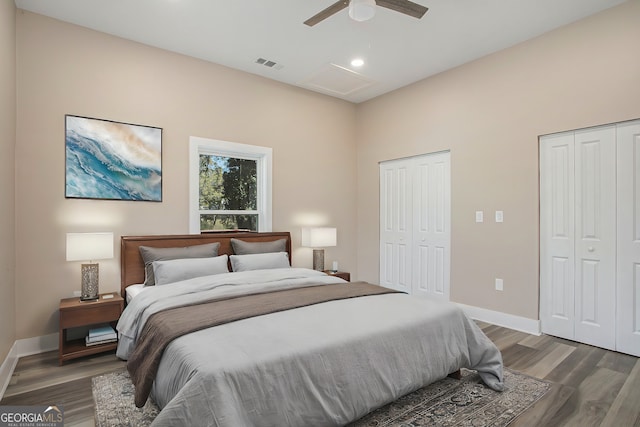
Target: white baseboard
<point x="522" y="324"/>
<point x="21" y="348"/>
<point x="7" y="367"/>
<point x="36" y="345"/>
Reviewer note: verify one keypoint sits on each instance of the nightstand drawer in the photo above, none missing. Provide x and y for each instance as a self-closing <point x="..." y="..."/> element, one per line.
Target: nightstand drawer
<point x="90" y="314"/>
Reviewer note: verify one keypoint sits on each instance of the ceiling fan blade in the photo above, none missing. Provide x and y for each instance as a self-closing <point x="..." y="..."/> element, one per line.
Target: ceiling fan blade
<point x="404" y="6"/>
<point x="331" y="10"/>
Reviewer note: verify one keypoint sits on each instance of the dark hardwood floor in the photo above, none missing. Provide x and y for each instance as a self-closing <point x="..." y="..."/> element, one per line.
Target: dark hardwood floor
<point x="591" y="386"/>
<point x="39" y="380"/>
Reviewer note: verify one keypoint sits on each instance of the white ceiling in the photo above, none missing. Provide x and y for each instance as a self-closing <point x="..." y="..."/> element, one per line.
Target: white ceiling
<point x="397" y="49"/>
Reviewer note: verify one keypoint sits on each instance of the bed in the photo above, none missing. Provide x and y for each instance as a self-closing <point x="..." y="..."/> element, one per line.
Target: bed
<point x="274" y="345"/>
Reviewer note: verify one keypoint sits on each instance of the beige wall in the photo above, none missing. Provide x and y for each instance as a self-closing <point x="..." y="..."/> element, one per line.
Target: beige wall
<point x="65" y="69"/>
<point x="7" y="176"/>
<point x="489" y="113"/>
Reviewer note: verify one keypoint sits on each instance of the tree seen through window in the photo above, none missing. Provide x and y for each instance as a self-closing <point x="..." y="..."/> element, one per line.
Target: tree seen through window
<point x="228" y="196"/>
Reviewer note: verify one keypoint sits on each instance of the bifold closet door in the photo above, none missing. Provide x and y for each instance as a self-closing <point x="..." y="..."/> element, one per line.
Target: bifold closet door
<point x="628" y="308"/>
<point x="578" y="235"/>
<point x="415" y="225"/>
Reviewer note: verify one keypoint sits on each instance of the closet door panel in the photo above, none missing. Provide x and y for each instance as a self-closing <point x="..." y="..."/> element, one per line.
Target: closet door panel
<point x="595" y="232"/>
<point x="423" y="252"/>
<point x="395" y="225"/>
<point x="431" y="224"/>
<point x="557" y="261"/>
<point x="628" y="268"/>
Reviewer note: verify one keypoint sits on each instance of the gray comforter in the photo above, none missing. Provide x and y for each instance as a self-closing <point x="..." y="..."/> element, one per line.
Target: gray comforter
<point x="321" y="365"/>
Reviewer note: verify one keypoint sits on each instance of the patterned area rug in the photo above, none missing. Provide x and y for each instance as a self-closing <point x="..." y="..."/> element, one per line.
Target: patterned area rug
<point x="113" y="397"/>
<point x="448" y="402"/>
<point x="464" y="402"/>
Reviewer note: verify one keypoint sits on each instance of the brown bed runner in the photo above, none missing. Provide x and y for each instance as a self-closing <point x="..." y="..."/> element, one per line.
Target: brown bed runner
<point x="165" y="326"/>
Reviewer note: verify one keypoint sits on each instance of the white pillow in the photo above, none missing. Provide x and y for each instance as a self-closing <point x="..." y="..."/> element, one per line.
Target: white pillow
<point x="259" y="261"/>
<point x="187" y="268"/>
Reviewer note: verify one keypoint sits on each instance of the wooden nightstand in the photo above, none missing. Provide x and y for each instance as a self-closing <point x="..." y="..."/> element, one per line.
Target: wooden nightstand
<point x="75" y="313"/>
<point x="341" y="274"/>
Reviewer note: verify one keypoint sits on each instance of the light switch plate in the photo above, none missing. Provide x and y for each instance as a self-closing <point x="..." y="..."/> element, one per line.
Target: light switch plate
<point x="479" y="216"/>
<point x="499" y="285"/>
<point x="499" y="216"/>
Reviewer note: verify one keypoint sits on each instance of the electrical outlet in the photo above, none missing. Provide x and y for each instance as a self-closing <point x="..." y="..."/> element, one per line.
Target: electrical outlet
<point x="499" y="216"/>
<point x="77" y="293"/>
<point x="499" y="285"/>
<point x="479" y="216"/>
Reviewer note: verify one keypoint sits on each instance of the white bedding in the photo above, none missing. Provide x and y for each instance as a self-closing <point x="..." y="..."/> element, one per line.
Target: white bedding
<point x="321" y="365"/>
<point x="132" y="291"/>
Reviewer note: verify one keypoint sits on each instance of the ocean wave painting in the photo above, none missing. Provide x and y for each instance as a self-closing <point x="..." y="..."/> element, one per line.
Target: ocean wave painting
<point x="113" y="161"/>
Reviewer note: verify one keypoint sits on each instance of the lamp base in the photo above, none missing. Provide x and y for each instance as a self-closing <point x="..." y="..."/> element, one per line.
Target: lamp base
<point x="318" y="259"/>
<point x="90" y="274"/>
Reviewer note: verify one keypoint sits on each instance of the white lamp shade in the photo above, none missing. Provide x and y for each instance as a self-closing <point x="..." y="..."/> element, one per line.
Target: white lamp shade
<point x="319" y="237"/>
<point x="362" y="10"/>
<point x="89" y="246"/>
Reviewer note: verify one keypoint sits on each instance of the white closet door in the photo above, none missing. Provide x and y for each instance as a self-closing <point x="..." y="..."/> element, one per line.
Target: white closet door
<point x="395" y="225"/>
<point x="557" y="260"/>
<point x="628" y="309"/>
<point x="595" y="236"/>
<point x="431" y="226"/>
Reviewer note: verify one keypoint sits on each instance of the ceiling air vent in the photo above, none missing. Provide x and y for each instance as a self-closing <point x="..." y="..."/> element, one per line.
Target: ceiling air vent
<point x="269" y="63"/>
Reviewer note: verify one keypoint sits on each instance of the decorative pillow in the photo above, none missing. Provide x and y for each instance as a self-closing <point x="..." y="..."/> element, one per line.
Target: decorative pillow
<point x="150" y="254"/>
<point x="241" y="247"/>
<point x="187" y="268"/>
<point x="259" y="261"/>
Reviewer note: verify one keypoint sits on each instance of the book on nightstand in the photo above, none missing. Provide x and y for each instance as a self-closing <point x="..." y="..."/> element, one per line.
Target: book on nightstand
<point x="101" y="335"/>
<point x="104" y="341"/>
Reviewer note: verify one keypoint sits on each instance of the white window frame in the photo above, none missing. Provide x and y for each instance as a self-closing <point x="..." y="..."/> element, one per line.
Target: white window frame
<point x="263" y="157"/>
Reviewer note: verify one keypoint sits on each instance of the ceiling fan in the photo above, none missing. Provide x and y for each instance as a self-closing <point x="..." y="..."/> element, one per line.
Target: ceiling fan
<point x="363" y="10"/>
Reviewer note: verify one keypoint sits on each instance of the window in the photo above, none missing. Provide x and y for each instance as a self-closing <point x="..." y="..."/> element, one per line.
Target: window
<point x="230" y="186"/>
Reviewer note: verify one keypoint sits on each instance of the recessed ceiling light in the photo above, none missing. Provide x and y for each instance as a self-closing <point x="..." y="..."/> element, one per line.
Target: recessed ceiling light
<point x="358" y="62"/>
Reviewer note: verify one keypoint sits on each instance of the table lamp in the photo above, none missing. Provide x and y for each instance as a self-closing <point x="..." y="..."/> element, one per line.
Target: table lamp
<point x="318" y="238"/>
<point x="89" y="247"/>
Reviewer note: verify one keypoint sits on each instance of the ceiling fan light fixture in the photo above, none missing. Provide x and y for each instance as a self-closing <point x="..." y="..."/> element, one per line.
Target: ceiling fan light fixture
<point x="362" y="10"/>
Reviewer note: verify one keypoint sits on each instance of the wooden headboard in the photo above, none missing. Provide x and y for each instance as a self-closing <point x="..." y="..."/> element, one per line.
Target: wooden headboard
<point x="132" y="266"/>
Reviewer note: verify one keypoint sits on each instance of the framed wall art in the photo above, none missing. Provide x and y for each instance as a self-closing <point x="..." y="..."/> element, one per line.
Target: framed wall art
<point x="112" y="161"/>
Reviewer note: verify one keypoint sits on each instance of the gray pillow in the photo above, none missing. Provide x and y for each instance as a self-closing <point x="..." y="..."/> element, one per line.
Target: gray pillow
<point x="150" y="254"/>
<point x="259" y="261"/>
<point x="241" y="247"/>
<point x="176" y="270"/>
